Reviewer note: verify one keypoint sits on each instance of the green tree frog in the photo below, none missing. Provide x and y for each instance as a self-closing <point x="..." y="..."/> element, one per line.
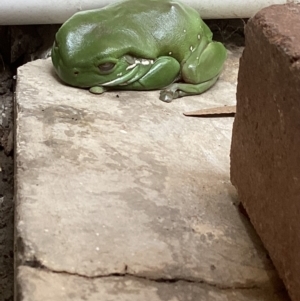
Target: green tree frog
<point x="139" y="45"/>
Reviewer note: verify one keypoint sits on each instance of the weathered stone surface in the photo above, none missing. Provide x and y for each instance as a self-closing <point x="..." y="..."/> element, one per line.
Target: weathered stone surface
<point x="41" y="285"/>
<point x="265" y="157"/>
<point x="124" y="185"/>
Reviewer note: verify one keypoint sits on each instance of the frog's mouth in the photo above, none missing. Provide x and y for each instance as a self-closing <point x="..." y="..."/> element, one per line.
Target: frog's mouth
<point x="138" y="68"/>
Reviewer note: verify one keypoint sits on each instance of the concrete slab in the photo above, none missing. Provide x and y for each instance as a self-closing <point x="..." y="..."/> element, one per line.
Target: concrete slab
<point x="123" y="185"/>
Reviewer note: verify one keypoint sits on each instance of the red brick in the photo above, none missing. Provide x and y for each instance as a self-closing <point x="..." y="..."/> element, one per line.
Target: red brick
<point x="265" y="151"/>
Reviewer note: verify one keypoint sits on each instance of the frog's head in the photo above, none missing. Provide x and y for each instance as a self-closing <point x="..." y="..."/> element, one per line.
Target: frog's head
<point x="89" y="53"/>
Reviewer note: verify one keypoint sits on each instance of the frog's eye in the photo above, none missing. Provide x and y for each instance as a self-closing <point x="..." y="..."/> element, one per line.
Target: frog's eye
<point x="106" y="67"/>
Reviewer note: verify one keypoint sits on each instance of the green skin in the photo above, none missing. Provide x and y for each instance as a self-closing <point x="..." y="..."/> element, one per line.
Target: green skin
<point x="139" y="45"/>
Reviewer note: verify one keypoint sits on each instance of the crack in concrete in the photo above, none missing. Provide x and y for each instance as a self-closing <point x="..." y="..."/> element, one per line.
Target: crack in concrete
<point x="36" y="264"/>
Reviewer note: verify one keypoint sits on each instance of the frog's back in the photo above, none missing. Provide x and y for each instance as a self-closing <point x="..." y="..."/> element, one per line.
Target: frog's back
<point x="166" y="27"/>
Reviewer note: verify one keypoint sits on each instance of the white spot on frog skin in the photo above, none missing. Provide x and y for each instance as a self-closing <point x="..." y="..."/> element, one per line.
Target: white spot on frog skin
<point x="170" y="52"/>
<point x="131" y="66"/>
<point x="145" y="62"/>
<point x="119" y="74"/>
<point x="199" y="37"/>
<point x="197" y="58"/>
<point x="192" y="49"/>
<point x="184" y="30"/>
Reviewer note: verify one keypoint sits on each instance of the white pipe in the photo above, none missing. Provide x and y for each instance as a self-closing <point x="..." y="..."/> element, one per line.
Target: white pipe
<point x="17" y="12"/>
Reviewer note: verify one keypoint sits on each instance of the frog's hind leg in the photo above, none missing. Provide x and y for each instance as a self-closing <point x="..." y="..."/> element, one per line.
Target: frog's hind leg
<point x="199" y="72"/>
<point x="181" y="89"/>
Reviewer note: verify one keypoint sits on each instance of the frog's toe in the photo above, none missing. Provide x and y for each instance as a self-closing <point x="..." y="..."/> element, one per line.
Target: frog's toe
<point x="97" y="90"/>
<point x="168" y="95"/>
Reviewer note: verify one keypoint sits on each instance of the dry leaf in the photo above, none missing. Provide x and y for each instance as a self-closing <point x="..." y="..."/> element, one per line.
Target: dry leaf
<point x="226" y="111"/>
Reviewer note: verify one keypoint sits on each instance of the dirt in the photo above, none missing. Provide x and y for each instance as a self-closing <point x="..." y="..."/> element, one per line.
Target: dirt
<point x="6" y="184"/>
